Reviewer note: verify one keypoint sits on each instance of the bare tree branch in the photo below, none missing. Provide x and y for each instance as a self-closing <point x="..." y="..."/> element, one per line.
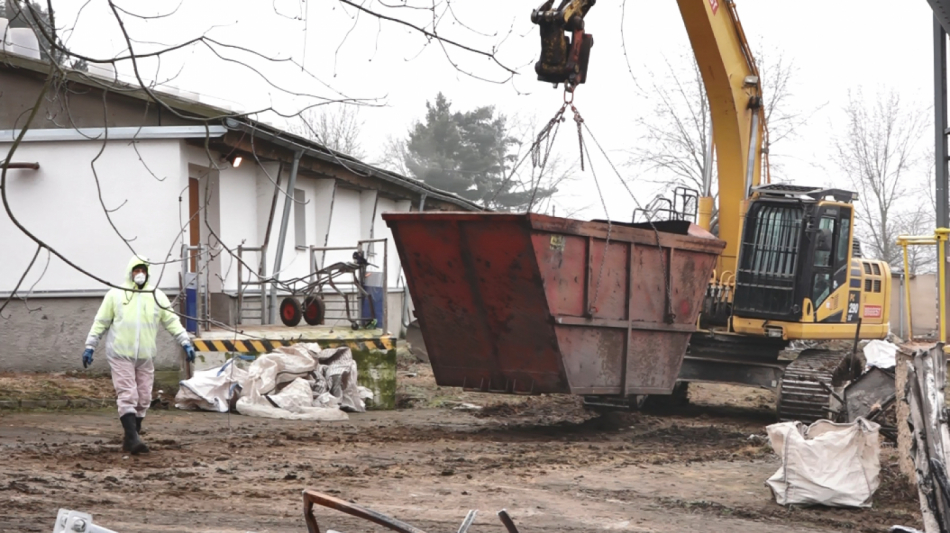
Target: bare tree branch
<point x="879" y="153"/>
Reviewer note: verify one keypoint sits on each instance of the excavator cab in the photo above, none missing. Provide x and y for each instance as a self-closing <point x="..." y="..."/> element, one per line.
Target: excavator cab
<point x="798" y="276"/>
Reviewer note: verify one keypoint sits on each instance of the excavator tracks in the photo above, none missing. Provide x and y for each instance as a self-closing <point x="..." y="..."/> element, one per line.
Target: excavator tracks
<point x="801" y="394"/>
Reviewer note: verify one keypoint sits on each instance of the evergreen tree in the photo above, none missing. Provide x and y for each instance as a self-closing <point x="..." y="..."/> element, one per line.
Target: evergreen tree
<point x="470" y="154"/>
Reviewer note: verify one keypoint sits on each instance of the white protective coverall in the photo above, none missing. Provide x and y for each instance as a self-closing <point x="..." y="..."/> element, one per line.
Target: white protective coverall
<point x="132" y="320"/>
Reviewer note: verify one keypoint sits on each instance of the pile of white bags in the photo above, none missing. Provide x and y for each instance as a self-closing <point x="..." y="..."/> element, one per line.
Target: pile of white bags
<point x="299" y="382"/>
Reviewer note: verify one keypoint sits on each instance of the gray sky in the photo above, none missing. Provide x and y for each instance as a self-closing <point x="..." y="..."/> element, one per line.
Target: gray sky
<point x="836" y="46"/>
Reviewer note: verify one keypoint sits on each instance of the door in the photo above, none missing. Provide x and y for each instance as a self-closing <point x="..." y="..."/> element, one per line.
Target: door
<point x="823" y="265"/>
<point x="831" y="262"/>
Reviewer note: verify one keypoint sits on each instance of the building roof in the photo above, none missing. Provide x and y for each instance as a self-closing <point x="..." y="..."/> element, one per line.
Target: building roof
<point x="206" y="112"/>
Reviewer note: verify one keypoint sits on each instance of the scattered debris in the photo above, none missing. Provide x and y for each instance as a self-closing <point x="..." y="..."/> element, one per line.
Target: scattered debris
<point x="312" y="497"/>
<point x="924" y="392"/>
<point x="76" y="522"/>
<point x="880" y="354"/>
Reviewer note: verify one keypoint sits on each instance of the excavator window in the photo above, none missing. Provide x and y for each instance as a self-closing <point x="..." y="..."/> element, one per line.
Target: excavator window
<point x="769" y="260"/>
<point x="826" y="231"/>
<point x="844" y="237"/>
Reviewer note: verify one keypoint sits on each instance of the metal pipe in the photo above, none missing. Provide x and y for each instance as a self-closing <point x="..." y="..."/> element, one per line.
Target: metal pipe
<point x="942" y="234"/>
<point x="900" y="308"/>
<point x="753" y="140"/>
<point x="284" y="221"/>
<point x="326" y="235"/>
<point x="240" y="284"/>
<point x="386" y="285"/>
<point x="267" y="232"/>
<point x="940" y="124"/>
<point x="20" y="166"/>
<point x="707" y="163"/>
<point x="704" y="206"/>
<point x="263" y="289"/>
<point x="910" y="314"/>
<point x="942" y="176"/>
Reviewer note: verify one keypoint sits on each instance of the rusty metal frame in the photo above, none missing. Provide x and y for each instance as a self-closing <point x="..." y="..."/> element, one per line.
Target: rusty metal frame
<point x="311" y="497"/>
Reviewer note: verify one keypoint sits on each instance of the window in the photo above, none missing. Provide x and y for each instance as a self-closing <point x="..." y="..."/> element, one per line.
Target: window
<point x="822" y="288"/>
<point x="844" y="235"/>
<point x="300" y="218"/>
<point x="823" y="257"/>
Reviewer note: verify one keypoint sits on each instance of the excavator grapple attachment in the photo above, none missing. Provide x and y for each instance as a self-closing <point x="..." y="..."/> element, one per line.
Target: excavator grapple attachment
<point x="563" y="60"/>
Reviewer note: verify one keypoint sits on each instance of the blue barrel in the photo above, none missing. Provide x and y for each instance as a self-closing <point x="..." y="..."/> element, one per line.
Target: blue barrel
<point x="374" y="286"/>
<point x="191" y="302"/>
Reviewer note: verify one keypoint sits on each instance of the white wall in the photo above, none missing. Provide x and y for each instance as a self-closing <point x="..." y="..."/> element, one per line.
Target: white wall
<point x="60" y="204"/>
<point x="381" y="231"/>
<point x="345" y="225"/>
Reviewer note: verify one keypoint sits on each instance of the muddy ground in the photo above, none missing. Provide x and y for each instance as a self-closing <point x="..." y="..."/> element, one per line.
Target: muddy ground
<point x="552" y="464"/>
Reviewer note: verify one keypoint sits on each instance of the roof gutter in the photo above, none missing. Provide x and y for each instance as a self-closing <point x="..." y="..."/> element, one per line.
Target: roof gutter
<point x="416" y="186"/>
<point x="114" y="134"/>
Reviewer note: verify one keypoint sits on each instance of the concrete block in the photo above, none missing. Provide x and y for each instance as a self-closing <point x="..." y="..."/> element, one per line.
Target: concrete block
<point x="98" y="402"/>
<point x="9" y="404"/>
<point x="57" y="404"/>
<point x="32" y="404"/>
<point x="376" y="370"/>
<point x="78" y="403"/>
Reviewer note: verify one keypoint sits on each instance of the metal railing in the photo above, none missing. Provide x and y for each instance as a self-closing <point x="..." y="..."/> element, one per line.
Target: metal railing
<point x="938" y="239"/>
<point x="244" y="285"/>
<point x="317" y="256"/>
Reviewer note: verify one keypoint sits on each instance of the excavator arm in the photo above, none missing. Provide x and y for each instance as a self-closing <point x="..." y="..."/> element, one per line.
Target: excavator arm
<point x="734" y="90"/>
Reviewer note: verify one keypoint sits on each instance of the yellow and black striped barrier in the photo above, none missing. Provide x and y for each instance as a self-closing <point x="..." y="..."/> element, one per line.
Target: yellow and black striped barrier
<point x="260" y="346"/>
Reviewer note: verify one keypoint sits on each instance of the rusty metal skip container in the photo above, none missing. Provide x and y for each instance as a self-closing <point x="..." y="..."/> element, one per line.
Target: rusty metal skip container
<point x="531" y="304"/>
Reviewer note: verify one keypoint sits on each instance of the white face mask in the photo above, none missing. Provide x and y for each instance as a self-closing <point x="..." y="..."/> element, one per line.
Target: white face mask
<point x="139" y="279"/>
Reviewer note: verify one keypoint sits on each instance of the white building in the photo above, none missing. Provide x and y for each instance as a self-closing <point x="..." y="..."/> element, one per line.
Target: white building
<point x="104" y="171"/>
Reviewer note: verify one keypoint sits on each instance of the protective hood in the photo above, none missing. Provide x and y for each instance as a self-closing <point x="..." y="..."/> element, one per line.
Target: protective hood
<point x="135" y="261"/>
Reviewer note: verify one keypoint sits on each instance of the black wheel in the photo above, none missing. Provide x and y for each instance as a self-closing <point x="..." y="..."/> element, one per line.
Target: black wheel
<point x="314" y="310"/>
<point x="290" y="312"/>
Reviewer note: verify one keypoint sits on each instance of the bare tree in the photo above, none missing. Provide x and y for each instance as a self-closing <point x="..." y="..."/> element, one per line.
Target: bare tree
<point x="338" y="128"/>
<point x="394" y="155"/>
<point x="878" y="151"/>
<point x="920" y="259"/>
<point x="675" y="141"/>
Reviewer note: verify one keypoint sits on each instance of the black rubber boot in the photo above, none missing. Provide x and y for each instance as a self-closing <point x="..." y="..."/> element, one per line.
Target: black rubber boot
<point x="132" y="442"/>
<point x="138" y="426"/>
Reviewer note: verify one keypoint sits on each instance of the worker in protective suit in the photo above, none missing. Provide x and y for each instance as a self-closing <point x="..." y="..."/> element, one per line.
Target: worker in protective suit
<point x="132" y="318"/>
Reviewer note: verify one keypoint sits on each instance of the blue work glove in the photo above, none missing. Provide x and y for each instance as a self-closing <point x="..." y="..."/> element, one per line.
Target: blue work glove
<point x="87" y="358"/>
<point x="190" y="353"/>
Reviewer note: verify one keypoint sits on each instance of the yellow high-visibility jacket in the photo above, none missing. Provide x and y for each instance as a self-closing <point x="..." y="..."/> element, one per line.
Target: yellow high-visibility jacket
<point x="132" y="319"/>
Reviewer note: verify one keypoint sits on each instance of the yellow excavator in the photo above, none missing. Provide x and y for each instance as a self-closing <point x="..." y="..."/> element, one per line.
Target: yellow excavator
<point x="791" y="268"/>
